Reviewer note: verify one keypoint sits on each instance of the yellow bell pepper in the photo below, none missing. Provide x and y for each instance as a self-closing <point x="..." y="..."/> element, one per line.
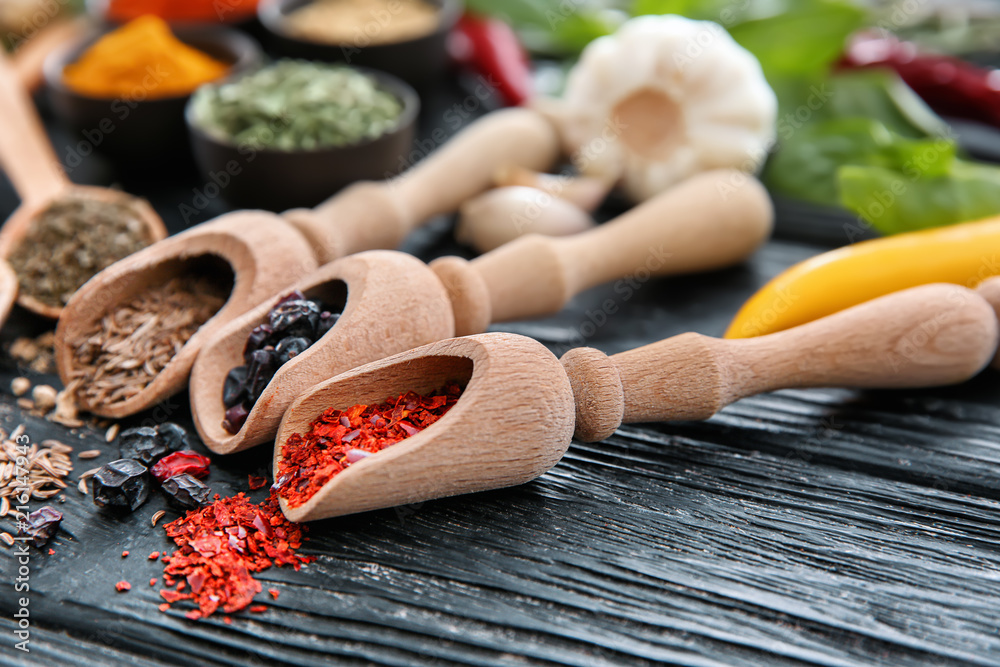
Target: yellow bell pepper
<point x="965" y="254"/>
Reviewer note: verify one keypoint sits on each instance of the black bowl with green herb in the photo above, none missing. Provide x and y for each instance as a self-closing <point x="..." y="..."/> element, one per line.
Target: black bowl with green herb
<point x="420" y="60"/>
<point x="141" y="132"/>
<point x="294" y="133"/>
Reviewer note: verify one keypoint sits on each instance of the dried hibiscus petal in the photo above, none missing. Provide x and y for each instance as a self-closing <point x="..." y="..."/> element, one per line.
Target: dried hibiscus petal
<point x="185" y="461"/>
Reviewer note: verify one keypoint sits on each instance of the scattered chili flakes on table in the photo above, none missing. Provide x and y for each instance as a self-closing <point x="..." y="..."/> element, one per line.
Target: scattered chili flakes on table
<point x="220" y="545"/>
<point x="154" y="555"/>
<point x="338" y="438"/>
<point x="123" y="586"/>
<point x="152" y="582"/>
<point x="125" y="554"/>
<point x="274" y="592"/>
<point x="257" y="482"/>
<point x="52" y="552"/>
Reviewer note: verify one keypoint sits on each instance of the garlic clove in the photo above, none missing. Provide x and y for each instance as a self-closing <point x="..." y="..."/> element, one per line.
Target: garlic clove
<point x="503" y="214"/>
<point x="584" y="191"/>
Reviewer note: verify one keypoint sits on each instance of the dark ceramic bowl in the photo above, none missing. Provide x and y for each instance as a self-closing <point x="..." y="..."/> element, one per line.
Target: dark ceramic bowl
<point x="226" y="16"/>
<point x="138" y="130"/>
<point x="278" y="180"/>
<point x="419" y="61"/>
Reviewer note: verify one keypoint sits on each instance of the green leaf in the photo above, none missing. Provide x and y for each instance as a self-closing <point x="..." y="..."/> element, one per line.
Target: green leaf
<point x="805" y="39"/>
<point x="882" y="95"/>
<point x="573" y="32"/>
<point x="807" y="164"/>
<point x="894" y="201"/>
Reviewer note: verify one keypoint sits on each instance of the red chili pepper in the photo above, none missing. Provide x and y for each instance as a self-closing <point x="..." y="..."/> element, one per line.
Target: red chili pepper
<point x="339" y="438"/>
<point x="949" y="85"/>
<point x="221" y="545"/>
<point x="491" y="48"/>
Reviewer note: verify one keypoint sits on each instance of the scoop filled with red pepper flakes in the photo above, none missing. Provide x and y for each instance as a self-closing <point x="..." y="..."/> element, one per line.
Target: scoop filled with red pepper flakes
<point x="220" y="545"/>
<point x="338" y="438"/>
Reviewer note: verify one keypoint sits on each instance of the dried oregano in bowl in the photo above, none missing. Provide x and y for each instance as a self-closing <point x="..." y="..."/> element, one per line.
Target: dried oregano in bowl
<point x="296" y="105"/>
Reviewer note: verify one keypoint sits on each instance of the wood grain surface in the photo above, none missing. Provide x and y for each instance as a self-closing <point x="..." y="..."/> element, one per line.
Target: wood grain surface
<point x="803" y="527"/>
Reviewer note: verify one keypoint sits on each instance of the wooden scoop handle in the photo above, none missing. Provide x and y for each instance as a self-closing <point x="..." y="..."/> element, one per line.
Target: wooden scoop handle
<point x="710" y="221"/>
<point x="989" y="289"/>
<point x="373" y="215"/>
<point x="25" y="152"/>
<point x="924" y="336"/>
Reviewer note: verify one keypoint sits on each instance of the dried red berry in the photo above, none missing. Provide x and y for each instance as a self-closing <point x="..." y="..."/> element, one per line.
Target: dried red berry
<point x="185" y="461"/>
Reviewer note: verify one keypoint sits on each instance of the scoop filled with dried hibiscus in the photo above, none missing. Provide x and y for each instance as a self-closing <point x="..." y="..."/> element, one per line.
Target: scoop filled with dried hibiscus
<point x="339" y="438"/>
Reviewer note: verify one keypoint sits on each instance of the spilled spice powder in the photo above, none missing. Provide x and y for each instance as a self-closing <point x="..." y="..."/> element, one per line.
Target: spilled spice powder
<point x="220" y="545"/>
<point x="338" y="438"/>
<point x="137" y="340"/>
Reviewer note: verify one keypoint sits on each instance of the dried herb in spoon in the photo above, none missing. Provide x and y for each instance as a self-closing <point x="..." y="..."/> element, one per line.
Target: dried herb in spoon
<point x="73" y="239"/>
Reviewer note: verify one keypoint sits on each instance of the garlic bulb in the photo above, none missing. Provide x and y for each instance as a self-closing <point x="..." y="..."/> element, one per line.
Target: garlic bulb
<point x="661" y="99"/>
<point x="501" y="215"/>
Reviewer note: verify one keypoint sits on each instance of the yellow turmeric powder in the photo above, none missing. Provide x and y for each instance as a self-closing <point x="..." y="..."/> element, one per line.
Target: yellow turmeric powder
<point x="141" y="60"/>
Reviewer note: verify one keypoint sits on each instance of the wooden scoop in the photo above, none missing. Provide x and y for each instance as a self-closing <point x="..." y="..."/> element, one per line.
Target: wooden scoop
<point x="267" y="253"/>
<point x="520" y="407"/>
<point x="32" y="166"/>
<point x="395" y="303"/>
<point x="989" y="289"/>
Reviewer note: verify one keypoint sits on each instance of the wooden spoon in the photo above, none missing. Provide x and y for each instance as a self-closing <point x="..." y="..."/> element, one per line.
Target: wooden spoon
<point x="31" y="165"/>
<point x="395" y="303"/>
<point x="8" y="290"/>
<point x="989" y="289"/>
<point x="267" y="253"/>
<point x="520" y="407"/>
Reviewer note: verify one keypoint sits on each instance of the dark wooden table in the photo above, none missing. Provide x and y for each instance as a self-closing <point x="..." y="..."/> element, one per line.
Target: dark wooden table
<point x="820" y="527"/>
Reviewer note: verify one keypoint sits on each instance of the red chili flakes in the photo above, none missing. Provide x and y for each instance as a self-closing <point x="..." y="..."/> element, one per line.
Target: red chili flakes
<point x="227" y="620"/>
<point x="338" y="438"/>
<point x="193" y="615"/>
<point x="123" y="586"/>
<point x="258" y="608"/>
<point x="152" y="582"/>
<point x="186" y="460"/>
<point x="257" y="482"/>
<point x="125" y="554"/>
<point x="154" y="555"/>
<point x="274" y="592"/>
<point x="163" y="607"/>
<point x="52" y="552"/>
<point x="221" y="545"/>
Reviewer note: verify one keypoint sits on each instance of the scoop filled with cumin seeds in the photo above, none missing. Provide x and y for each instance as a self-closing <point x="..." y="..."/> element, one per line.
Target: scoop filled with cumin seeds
<point x="132" y="343"/>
